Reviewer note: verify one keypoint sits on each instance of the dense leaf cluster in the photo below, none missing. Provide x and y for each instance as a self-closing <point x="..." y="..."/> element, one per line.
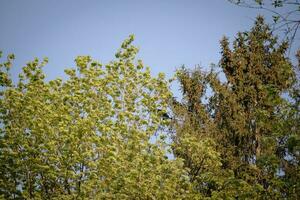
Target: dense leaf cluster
<point x="101" y="132"/>
<point x="243" y="142"/>
<point x="87" y="136"/>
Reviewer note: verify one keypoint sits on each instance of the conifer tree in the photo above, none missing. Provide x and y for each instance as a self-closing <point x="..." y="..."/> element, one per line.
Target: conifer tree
<point x="246" y="117"/>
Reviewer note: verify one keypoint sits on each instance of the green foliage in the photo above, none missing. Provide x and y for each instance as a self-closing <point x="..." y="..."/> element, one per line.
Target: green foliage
<point x="252" y="128"/>
<point x="91" y="136"/>
<point x="87" y="137"/>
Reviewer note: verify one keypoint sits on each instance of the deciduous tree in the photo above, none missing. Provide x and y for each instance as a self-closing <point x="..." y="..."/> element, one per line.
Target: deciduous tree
<point x="87" y="137"/>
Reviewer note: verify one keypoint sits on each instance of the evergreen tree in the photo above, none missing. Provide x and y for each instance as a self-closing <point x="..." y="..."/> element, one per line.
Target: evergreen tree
<point x="246" y="118"/>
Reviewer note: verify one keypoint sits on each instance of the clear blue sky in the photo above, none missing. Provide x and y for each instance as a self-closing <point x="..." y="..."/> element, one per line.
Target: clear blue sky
<point x="169" y="33"/>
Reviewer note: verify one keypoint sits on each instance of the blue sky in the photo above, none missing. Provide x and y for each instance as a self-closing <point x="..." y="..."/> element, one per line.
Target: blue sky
<point x="169" y="33"/>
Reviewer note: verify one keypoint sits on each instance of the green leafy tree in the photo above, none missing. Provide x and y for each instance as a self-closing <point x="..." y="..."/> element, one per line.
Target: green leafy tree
<point x="87" y="137"/>
<point x="290" y="148"/>
<point x="193" y="141"/>
<point x="246" y="119"/>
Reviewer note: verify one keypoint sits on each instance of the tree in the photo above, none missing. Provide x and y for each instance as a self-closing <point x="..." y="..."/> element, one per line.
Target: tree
<point x="285" y="14"/>
<point x="89" y="135"/>
<point x="291" y="147"/>
<point x="246" y="119"/>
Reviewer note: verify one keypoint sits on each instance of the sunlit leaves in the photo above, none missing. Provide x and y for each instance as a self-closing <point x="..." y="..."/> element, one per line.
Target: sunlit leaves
<point x="87" y="136"/>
